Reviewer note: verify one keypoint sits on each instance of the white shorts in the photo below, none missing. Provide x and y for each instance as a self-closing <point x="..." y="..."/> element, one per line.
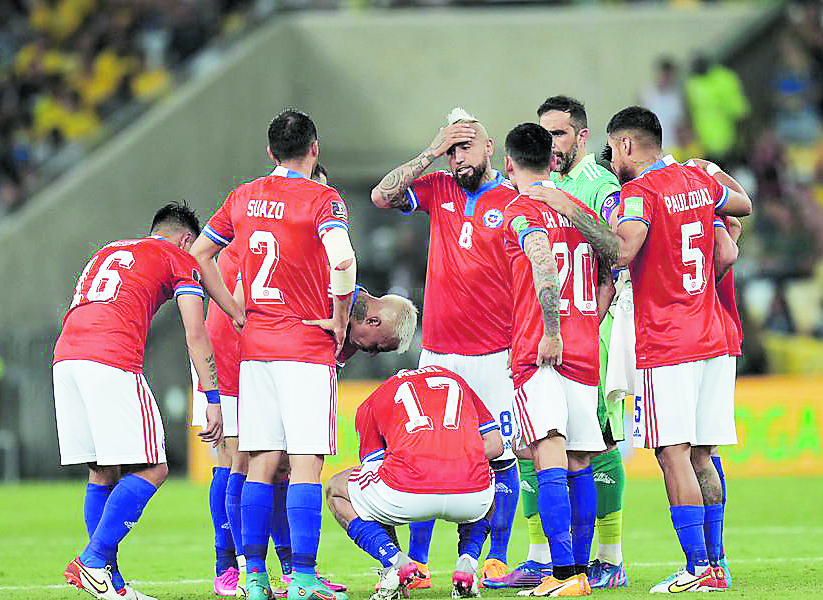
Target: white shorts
<point x="287" y="405"/>
<point x="373" y="500"/>
<point x="488" y="376"/>
<point x="228" y="406"/>
<point x="550" y="401"/>
<point x="690" y="403"/>
<point x="106" y="415"/>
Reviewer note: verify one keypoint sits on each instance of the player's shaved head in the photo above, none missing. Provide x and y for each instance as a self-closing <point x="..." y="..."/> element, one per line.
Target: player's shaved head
<point x="291" y="135"/>
<point x="530" y="147"/>
<point x="176" y="216"/>
<point x="470" y="161"/>
<point x="639" y="123"/>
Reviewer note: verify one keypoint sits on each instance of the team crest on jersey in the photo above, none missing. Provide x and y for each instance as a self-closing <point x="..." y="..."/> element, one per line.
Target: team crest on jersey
<point x="493" y="218"/>
<point x="338" y="209"/>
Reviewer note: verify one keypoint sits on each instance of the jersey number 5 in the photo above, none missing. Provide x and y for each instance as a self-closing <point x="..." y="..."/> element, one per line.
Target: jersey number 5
<point x="407" y="395"/>
<point x="106" y="282"/>
<point x="693" y="284"/>
<point x="264" y="242"/>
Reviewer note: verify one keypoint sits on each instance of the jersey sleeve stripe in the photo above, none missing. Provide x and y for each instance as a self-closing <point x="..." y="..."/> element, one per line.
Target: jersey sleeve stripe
<point x="215" y="237"/>
<point x="722" y="200"/>
<point x="194" y="290"/>
<point x="522" y="235"/>
<point x="487" y="427"/>
<point x="331" y="225"/>
<point x="625" y="219"/>
<point x="412" y="201"/>
<point x="376" y="455"/>
<point x="720" y="223"/>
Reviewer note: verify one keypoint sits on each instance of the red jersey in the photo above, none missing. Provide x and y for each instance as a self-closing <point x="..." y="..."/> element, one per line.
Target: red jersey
<point x="224" y="337"/>
<point x="426" y="426"/>
<point x="577" y="272"/>
<point x="467" y="301"/>
<point x="728" y="306"/>
<point x="116" y="296"/>
<point x="676" y="313"/>
<point x="277" y="222"/>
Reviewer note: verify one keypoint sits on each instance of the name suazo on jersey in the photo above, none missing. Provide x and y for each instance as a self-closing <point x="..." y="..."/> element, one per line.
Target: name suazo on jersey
<point x="577" y="273"/>
<point x="277" y="222"/>
<point x="426" y="426"/>
<point x="677" y="317"/>
<point x="116" y="296"/>
<point x="467" y="304"/>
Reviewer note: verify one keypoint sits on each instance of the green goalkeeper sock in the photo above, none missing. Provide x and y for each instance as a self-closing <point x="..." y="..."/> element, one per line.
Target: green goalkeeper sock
<point x="610" y="480"/>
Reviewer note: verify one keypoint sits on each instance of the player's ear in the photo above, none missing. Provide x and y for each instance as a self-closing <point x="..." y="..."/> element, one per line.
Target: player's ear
<point x="490" y="147"/>
<point x="583" y="135"/>
<point x="509" y="166"/>
<point x="271" y="154"/>
<point x="315" y="148"/>
<point x="374" y="321"/>
<point x="626" y="143"/>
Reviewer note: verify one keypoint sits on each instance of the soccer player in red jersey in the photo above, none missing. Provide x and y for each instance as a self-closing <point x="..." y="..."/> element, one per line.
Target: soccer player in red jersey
<point x="666" y="236"/>
<point x="555" y="361"/>
<point x="292" y="235"/>
<point x="106" y="414"/>
<point x="467" y="304"/>
<point x="425" y="442"/>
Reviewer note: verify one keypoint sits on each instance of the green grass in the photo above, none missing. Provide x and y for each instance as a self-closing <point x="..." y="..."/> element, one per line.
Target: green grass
<point x="773" y="533"/>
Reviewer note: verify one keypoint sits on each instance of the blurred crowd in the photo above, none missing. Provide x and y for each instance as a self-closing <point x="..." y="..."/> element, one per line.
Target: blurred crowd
<point x="68" y="66"/>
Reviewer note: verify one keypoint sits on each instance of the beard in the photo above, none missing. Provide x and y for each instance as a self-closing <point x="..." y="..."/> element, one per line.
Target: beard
<point x="624" y="174"/>
<point x="470" y="181"/>
<point x="565" y="160"/>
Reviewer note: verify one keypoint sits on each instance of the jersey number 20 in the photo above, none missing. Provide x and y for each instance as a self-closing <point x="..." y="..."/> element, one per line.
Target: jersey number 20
<point x="407" y="395"/>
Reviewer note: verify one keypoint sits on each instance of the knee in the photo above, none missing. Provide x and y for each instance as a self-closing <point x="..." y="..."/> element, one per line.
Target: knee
<point x="156" y="474"/>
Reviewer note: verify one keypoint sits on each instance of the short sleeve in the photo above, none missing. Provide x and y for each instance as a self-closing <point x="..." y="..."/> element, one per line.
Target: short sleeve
<point x="185" y="275"/>
<point x="422" y="191"/>
<point x="486" y="422"/>
<point x="330" y="212"/>
<point x="719" y="192"/>
<point x="520" y="220"/>
<point x="636" y="204"/>
<point x="220" y="229"/>
<point x="372" y="444"/>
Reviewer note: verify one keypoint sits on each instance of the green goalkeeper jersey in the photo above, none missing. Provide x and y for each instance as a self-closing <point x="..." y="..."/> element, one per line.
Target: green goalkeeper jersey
<point x="588" y="182"/>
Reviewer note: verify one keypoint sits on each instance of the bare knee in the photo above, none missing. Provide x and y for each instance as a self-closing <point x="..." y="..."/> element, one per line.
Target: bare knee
<point x="103" y="474"/>
<point x="154" y="474"/>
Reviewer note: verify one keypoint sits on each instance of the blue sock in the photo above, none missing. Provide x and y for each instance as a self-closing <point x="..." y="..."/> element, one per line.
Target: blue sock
<point x="371" y="537"/>
<point x="122" y="511"/>
<point x="303" y="506"/>
<point x="556" y="514"/>
<point x="472" y="536"/>
<point x="688" y="523"/>
<point x="256" y="508"/>
<point x="506" y="495"/>
<point x="583" y="499"/>
<point x="280" y="534"/>
<point x="719" y="466"/>
<point x="95" y="502"/>
<point x="420" y="538"/>
<point x="713" y="532"/>
<point x="223" y="542"/>
<point x="234" y="488"/>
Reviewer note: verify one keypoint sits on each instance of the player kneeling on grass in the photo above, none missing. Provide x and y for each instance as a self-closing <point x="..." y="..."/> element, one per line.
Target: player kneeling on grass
<point x="425" y="443"/>
<point x="106" y="414"/>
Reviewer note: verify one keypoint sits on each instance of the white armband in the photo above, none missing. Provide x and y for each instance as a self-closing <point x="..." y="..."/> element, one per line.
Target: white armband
<point x="339" y="250"/>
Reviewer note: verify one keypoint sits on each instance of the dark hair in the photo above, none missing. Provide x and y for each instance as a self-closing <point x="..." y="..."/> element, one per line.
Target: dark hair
<point x="318" y="171"/>
<point x="176" y="214"/>
<point x="640" y="121"/>
<point x="530" y="146"/>
<point x="291" y="133"/>
<point x="575" y="108"/>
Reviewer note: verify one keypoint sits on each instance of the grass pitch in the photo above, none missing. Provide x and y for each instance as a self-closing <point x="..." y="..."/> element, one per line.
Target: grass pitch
<point x="773" y="533"/>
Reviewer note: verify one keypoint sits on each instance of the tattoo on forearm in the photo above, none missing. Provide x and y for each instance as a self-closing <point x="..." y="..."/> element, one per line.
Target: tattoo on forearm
<point x="599" y="235"/>
<point x="212" y="368"/>
<point x="546" y="282"/>
<point x="604" y="270"/>
<point x="394" y="185"/>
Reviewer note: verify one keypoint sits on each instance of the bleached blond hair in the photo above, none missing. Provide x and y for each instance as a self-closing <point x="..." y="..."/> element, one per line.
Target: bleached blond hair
<point x="459" y="115"/>
<point x="405" y="321"/>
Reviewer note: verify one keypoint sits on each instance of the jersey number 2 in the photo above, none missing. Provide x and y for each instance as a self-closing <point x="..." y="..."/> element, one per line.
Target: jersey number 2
<point x="264" y="242"/>
<point x="417" y="420"/>
<point x="106" y="282"/>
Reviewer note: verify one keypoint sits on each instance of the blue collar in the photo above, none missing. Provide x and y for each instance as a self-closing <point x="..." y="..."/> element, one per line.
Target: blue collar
<point x="282" y="171"/>
<point x="660" y="164"/>
<point x="471" y="199"/>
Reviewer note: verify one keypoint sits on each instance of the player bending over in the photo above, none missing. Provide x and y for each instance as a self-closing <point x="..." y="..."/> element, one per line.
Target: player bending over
<point x="106" y="413"/>
<point x="425" y="444"/>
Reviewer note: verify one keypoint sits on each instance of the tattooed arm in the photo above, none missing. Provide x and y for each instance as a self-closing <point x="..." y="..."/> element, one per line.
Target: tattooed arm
<point x="391" y="191"/>
<point x="605" y="243"/>
<point x="605" y="288"/>
<point x="202" y="356"/>
<point x="547" y="288"/>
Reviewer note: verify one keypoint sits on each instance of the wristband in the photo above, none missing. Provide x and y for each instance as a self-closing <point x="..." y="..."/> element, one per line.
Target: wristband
<point x="712" y="169"/>
<point x="212" y="396"/>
